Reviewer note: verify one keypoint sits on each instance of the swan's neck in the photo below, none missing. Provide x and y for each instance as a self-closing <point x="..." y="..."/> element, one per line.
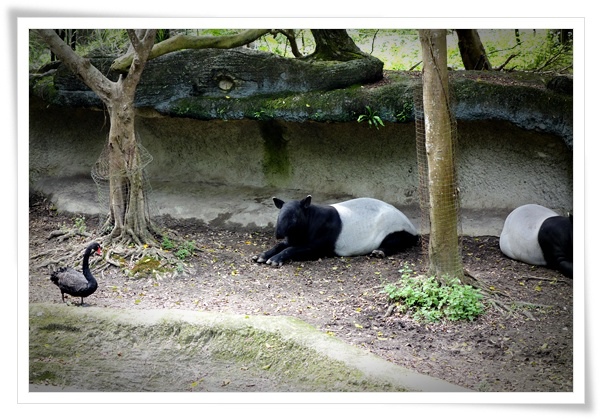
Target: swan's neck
<point x="86" y="266"/>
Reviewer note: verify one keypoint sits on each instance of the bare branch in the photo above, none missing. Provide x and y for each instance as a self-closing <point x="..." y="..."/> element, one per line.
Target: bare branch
<point x="553" y="58"/>
<point x="506" y="62"/>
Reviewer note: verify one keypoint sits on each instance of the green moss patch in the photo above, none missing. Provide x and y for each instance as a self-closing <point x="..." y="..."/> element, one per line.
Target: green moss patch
<point x="109" y="350"/>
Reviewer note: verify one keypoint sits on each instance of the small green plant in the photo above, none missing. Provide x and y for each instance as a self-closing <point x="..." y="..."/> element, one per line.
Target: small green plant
<point x="371" y="117"/>
<point x="406" y="113"/>
<point x="431" y="301"/>
<point x="167" y="243"/>
<point x="263" y="114"/>
<point x="186" y="250"/>
<point x="80" y="224"/>
<point x="162" y="35"/>
<point x="182" y="250"/>
<point x="222" y="113"/>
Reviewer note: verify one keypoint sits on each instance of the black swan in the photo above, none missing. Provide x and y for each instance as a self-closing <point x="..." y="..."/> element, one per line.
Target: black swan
<point x="75" y="283"/>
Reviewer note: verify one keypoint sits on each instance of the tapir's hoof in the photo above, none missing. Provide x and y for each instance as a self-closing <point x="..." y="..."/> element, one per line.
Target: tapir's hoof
<point x="274" y="264"/>
<point x="378" y="253"/>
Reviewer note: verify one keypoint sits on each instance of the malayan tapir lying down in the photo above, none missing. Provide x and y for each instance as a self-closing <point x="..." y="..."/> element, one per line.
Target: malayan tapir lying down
<point x="350" y="228"/>
<point x="539" y="236"/>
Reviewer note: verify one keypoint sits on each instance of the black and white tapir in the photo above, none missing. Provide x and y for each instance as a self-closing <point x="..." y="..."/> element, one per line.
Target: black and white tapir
<point x="539" y="236"/>
<point x="350" y="228"/>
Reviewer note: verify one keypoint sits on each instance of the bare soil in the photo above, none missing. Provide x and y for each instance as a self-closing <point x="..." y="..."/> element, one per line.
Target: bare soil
<point x="527" y="348"/>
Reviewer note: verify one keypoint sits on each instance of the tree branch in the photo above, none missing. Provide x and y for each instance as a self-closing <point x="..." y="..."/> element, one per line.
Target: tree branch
<point x="141" y="50"/>
<point x="80" y="66"/>
<point x="291" y="37"/>
<point x="506" y="62"/>
<point x="182" y="41"/>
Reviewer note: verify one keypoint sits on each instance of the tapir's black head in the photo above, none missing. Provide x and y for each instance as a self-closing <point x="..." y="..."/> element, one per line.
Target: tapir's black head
<point x="292" y="222"/>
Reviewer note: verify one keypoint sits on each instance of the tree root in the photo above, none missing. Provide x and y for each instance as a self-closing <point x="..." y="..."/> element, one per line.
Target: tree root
<point x="67" y="234"/>
<point x="510" y="308"/>
<point x="125" y="256"/>
<point x="60" y="256"/>
<point x="120" y="250"/>
<point x="514" y="308"/>
<point x="539" y="278"/>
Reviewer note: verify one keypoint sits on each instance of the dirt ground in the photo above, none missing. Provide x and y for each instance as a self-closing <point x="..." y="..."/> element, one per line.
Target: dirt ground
<point x="526" y="349"/>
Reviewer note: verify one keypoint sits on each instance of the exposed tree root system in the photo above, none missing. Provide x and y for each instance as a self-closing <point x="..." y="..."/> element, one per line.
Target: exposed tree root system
<point x="522" y="343"/>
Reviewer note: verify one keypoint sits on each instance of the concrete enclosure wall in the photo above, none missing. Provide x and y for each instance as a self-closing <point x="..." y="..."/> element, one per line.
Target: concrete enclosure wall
<point x="500" y="166"/>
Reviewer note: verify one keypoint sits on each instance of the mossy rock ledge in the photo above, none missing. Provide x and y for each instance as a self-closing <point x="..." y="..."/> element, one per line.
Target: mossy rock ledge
<point x="101" y="349"/>
<point x="247" y="84"/>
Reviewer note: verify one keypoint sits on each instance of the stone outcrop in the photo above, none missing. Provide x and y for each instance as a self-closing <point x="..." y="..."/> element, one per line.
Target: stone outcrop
<point x="247" y="84"/>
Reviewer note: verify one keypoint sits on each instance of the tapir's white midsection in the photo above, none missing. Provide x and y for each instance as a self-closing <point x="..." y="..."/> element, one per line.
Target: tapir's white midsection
<point x="519" y="237"/>
<point x="365" y="223"/>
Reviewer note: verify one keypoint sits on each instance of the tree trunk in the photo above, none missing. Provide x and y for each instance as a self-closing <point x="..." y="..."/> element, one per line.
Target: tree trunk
<point x="128" y="211"/>
<point x="472" y="51"/>
<point x="444" y="254"/>
<point x="335" y="45"/>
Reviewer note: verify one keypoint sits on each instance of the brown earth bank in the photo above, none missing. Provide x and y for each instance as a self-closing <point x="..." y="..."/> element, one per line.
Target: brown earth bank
<point x="522" y="343"/>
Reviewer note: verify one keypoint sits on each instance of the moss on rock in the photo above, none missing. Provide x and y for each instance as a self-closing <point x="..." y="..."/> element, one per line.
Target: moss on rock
<point x="97" y="349"/>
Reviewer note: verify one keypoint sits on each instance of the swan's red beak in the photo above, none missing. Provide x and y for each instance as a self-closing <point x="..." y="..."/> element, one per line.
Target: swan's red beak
<point x="99" y="251"/>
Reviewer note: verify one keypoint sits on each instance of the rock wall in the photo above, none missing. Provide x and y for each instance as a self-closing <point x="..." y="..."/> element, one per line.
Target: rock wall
<point x="500" y="165"/>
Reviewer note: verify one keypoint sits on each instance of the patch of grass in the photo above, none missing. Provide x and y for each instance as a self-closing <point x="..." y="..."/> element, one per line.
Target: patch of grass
<point x="431" y="301"/>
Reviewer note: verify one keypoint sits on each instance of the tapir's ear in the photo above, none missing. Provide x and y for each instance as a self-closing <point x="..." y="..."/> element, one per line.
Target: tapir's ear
<point x="278" y="202"/>
<point x="305" y="203"/>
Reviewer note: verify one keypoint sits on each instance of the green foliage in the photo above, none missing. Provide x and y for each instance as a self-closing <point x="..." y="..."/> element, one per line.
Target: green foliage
<point x="407" y="112"/>
<point x="280" y="45"/>
<point x="80" y="224"/>
<point x="90" y="43"/>
<point x="222" y="112"/>
<point x="162" y="35"/>
<point x="183" y="250"/>
<point x="103" y="42"/>
<point x="263" y="114"/>
<point x="431" y="301"/>
<point x="371" y="117"/>
<point x="39" y="53"/>
<point x="399" y="49"/>
<point x="167" y="243"/>
<point x="186" y="250"/>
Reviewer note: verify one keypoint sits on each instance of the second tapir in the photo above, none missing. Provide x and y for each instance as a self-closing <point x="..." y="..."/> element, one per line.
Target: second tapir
<point x="539" y="236"/>
<point x="356" y="227"/>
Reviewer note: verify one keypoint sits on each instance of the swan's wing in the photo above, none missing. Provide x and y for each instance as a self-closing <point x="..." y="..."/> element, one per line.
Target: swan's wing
<point x="70" y="280"/>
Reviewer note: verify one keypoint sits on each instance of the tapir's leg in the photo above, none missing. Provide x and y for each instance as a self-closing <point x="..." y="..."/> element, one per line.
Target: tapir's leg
<point x="558" y="258"/>
<point x="295" y="253"/>
<point x="566" y="268"/>
<point x="265" y="256"/>
<point x="556" y="240"/>
<point x="394" y="243"/>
